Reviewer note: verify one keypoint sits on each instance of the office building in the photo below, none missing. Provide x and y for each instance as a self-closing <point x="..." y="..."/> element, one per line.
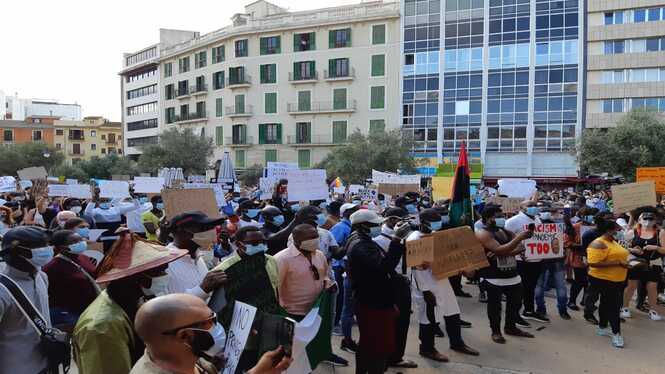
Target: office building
<point x="503" y="76"/>
<point x="625" y="59"/>
<point x="90" y="137"/>
<point x="16" y="108"/>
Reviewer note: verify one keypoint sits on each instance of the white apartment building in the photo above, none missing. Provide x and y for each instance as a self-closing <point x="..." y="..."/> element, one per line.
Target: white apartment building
<point x="282" y="86"/>
<point x="16" y="108"/>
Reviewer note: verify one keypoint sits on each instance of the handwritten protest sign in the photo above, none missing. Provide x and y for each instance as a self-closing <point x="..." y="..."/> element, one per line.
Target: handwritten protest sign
<point x="517" y="187"/>
<point x="456" y="250"/>
<point x="419" y="251"/>
<point x="35" y="172"/>
<point x="307" y="184"/>
<point x="148" y="184"/>
<point x="546" y="242"/>
<point x="508" y="204"/>
<point x="58" y="190"/>
<point x="80" y="191"/>
<point x="179" y="201"/>
<point x="241" y="325"/>
<point x="7" y="184"/>
<point x="368" y="194"/>
<point x="392" y="178"/>
<point x="656" y="174"/>
<point x="113" y="189"/>
<point x="629" y="196"/>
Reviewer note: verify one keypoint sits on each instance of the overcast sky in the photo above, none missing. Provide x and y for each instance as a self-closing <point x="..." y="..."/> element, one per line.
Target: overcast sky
<point x="71" y="50"/>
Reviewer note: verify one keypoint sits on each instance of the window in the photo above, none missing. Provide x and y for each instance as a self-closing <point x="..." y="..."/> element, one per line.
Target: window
<point x="76" y="149"/>
<point x="304" y="70"/>
<point x="143" y="125"/>
<point x="168" y="69"/>
<point x="378" y="65"/>
<point x="270" y="45"/>
<point x="241" y="48"/>
<point x="639" y="15"/>
<point x="304" y="158"/>
<point x="379" y="34"/>
<point x="304" y="42"/>
<point x="36" y="135"/>
<point x="219" y="107"/>
<point x="612" y="105"/>
<point x="200" y="84"/>
<point x="270" y="102"/>
<point x="237" y="75"/>
<point x="218" y="80"/>
<point x="270" y="133"/>
<point x="614" y="47"/>
<point x="271" y="155"/>
<point x="142" y="75"/>
<point x="377" y="97"/>
<point x="614" y="18"/>
<point x="218" y="54"/>
<point x="8" y="135"/>
<point x="239" y="101"/>
<point x="339" y="38"/>
<point x="183" y="65"/>
<point x="268" y="73"/>
<point x="169" y="115"/>
<point x="219" y="135"/>
<point x="239" y="133"/>
<point x="93" y="133"/>
<point x="169" y="91"/>
<point x="103" y="137"/>
<point x="240" y="158"/>
<point x="184" y="112"/>
<point x="141" y="109"/>
<point x="200" y="59"/>
<point x="58" y="146"/>
<point x="376" y="126"/>
<point x="143" y="91"/>
<point x="338" y="67"/>
<point x="304" y="101"/>
<point x="139" y="141"/>
<point x="201" y="109"/>
<point x="183" y="88"/>
<point x="339" y="99"/>
<point x="59" y="132"/>
<point x="303" y="132"/>
<point x="129" y="141"/>
<point x="141" y="56"/>
<point x="339" y="132"/>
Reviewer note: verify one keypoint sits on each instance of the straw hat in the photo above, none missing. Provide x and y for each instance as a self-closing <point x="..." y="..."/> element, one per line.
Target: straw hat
<point x="130" y="255"/>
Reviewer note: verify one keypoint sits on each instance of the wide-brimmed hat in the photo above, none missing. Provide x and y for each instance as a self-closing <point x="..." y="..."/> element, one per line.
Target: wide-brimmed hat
<point x="130" y="255"/>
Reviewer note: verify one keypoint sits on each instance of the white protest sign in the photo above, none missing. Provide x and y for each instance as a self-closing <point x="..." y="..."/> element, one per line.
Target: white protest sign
<point x="196" y="179"/>
<point x="367" y="194"/>
<point x="7" y="184"/>
<point x="113" y="189"/>
<point x="25" y="184"/>
<point x="71" y="181"/>
<point x="241" y="325"/>
<point x="392" y="178"/>
<point x="266" y="185"/>
<point x="282" y="165"/>
<point x="216" y="187"/>
<point x="80" y="191"/>
<point x="35" y="172"/>
<point x="94" y="234"/>
<point x="339" y="190"/>
<point x="546" y="242"/>
<point x="522" y="188"/>
<point x="306" y="185"/>
<point x="58" y="190"/>
<point x="355" y="188"/>
<point x="148" y="184"/>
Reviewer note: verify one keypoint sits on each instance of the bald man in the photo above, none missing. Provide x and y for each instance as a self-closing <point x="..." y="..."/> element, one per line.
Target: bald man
<point x="178" y="330"/>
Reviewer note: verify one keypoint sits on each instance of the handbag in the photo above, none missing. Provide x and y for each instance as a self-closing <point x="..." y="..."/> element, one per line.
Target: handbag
<point x="54" y="342"/>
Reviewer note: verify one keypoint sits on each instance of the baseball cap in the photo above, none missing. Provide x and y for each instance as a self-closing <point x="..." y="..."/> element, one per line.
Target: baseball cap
<point x="365" y="216"/>
<point x="345" y="207"/>
<point x="195" y="219"/>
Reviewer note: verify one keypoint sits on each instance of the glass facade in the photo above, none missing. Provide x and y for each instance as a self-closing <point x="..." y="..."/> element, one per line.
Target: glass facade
<point x="498" y="75"/>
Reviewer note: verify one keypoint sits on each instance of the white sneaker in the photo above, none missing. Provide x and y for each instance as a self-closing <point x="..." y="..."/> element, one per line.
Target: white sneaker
<point x="625" y="313"/>
<point x="604" y="332"/>
<point x="661" y="297"/>
<point x="617" y="341"/>
<point x="654" y="315"/>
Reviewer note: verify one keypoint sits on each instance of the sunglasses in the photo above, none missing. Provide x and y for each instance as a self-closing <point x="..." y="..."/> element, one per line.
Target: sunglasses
<point x="210" y="320"/>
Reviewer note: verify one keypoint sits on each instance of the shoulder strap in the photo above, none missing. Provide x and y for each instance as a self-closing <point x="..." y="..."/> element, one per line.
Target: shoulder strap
<point x="26" y="306"/>
<point x="82" y="270"/>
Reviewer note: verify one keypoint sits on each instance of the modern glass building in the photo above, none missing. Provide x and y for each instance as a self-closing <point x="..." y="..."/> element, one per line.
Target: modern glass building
<point x="503" y="76"/>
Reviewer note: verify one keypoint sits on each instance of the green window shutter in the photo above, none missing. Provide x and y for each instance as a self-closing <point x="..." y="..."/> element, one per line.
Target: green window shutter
<point x="377" y="97"/>
<point x="312" y="69"/>
<point x="214" y="55"/>
<point x="379" y="34"/>
<point x="312" y="41"/>
<point x="339" y="132"/>
<point x="271" y="155"/>
<point x="240" y="103"/>
<point x="332" y="68"/>
<point x="270" y="102"/>
<point x="240" y="158"/>
<point x="376" y="126"/>
<point x="262" y="133"/>
<point x="218" y="107"/>
<point x="304" y="158"/>
<point x="243" y="133"/>
<point x="279" y="133"/>
<point x="219" y="135"/>
<point x="304" y="101"/>
<point x="296" y="70"/>
<point x="262" y="73"/>
<point x="278" y="48"/>
<point x="339" y="98"/>
<point x="378" y="65"/>
<point x="296" y="42"/>
<point x="348" y="41"/>
<point x="264" y="45"/>
<point x="331" y="39"/>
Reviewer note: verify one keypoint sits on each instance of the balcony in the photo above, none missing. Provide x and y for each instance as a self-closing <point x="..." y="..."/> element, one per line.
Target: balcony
<point x="321" y="107"/>
<point x="233" y="111"/>
<point x="347" y="75"/>
<point x="239" y="141"/>
<point x="311" y="141"/>
<point x="76" y="138"/>
<point x="111" y="141"/>
<point x="313" y="77"/>
<point x="243" y="81"/>
<point x="80" y="153"/>
<point x="191" y="117"/>
<point x="199" y="89"/>
<point x="182" y="94"/>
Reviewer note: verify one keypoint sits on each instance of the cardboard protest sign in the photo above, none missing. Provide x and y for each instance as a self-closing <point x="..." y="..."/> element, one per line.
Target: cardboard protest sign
<point x="7" y="184"/>
<point x="215" y="187"/>
<point x="307" y="184"/>
<point x="420" y="251"/>
<point x="58" y="190"/>
<point x="205" y="239"/>
<point x="148" y="184"/>
<point x="114" y="189"/>
<point x="80" y="191"/>
<point x="655" y="174"/>
<point x="179" y="201"/>
<point x="396" y="189"/>
<point x="456" y="250"/>
<point x="517" y="187"/>
<point x="546" y="242"/>
<point x="241" y="325"/>
<point x="442" y="187"/>
<point x="627" y="197"/>
<point x="35" y="172"/>
<point x="508" y="204"/>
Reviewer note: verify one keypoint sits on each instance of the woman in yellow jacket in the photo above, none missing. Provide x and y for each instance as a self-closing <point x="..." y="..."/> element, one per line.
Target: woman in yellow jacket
<point x="608" y="267"/>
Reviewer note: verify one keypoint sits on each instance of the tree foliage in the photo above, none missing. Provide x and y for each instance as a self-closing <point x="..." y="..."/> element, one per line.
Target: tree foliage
<point x="384" y="151"/>
<point x="638" y="140"/>
<point x="251" y="175"/>
<point x="179" y="149"/>
<point x="19" y="156"/>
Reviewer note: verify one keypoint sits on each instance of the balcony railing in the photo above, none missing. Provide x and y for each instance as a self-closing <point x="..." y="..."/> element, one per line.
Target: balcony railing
<point x="182" y="93"/>
<point x="311" y="140"/>
<point x="79" y="153"/>
<point x="340" y="75"/>
<point x="233" y="111"/>
<point x="191" y="116"/>
<point x="198" y="89"/>
<point x="322" y="107"/>
<point x="311" y="77"/>
<point x="111" y="141"/>
<point x="79" y="138"/>
<point x="239" y="141"/>
<point x="238" y="82"/>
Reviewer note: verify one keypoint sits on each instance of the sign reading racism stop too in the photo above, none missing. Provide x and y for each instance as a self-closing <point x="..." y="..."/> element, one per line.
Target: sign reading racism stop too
<point x="546" y="242"/>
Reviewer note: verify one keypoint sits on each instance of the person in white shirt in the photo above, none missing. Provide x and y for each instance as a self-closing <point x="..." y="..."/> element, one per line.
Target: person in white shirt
<point x="107" y="214"/>
<point x="189" y="274"/>
<point x="248" y="212"/>
<point x="134" y="222"/>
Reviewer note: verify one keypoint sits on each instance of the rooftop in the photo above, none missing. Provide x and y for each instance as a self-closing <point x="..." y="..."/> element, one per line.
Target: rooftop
<point x="15" y="124"/>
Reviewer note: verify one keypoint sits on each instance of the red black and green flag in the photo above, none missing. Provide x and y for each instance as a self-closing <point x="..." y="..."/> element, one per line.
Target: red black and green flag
<point x="461" y="209"/>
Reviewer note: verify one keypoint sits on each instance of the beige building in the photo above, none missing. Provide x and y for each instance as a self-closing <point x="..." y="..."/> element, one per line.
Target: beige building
<point x="285" y="86"/>
<point x="625" y="59"/>
<point x="90" y="137"/>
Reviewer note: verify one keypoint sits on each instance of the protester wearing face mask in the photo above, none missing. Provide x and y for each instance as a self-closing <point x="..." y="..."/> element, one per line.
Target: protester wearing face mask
<point x="647" y="243"/>
<point x="333" y="217"/>
<point x="190" y="274"/>
<point x="70" y="270"/>
<point x="248" y="211"/>
<point x="6" y="220"/>
<point x="59" y="222"/>
<point x="434" y="297"/>
<point x="41" y="215"/>
<point x="151" y="218"/>
<point x="106" y="214"/>
<point x="182" y="335"/>
<point x="275" y="230"/>
<point x="410" y="205"/>
<point x="25" y="250"/>
<point x="576" y="255"/>
<point x="134" y="220"/>
<point x="72" y="204"/>
<point x="501" y="277"/>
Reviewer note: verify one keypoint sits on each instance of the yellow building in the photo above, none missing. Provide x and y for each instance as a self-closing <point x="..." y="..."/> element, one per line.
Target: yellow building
<point x="90" y="137"/>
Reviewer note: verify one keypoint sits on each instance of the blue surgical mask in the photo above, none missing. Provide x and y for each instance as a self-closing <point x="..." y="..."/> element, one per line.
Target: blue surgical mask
<point x="254" y="249"/>
<point x="143" y="200"/>
<point x="79" y="247"/>
<point x="500" y="222"/>
<point x="295" y="207"/>
<point x="374" y="231"/>
<point x="105" y="206"/>
<point x="435" y="226"/>
<point x="355" y="202"/>
<point x="320" y="219"/>
<point x="411" y="208"/>
<point x="41" y="256"/>
<point x="532" y="211"/>
<point x="278" y="220"/>
<point x="323" y="206"/>
<point x="252" y="213"/>
<point x="445" y="220"/>
<point x="588" y="219"/>
<point x="545" y="216"/>
<point x="159" y="206"/>
<point x="84" y="232"/>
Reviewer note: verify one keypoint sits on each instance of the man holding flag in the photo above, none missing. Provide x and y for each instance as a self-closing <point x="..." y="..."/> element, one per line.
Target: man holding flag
<point x="461" y="210"/>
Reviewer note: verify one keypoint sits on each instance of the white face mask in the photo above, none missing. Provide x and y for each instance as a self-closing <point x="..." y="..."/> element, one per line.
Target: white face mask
<point x="159" y="286"/>
<point x="310" y="245"/>
<point x="76" y="209"/>
<point x="387" y="230"/>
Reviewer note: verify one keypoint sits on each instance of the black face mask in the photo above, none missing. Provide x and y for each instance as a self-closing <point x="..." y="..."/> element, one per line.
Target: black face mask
<point x="201" y="342"/>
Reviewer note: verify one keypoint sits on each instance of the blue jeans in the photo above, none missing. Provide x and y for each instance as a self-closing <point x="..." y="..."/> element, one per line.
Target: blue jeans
<point x="347" y="309"/>
<point x="553" y="276"/>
